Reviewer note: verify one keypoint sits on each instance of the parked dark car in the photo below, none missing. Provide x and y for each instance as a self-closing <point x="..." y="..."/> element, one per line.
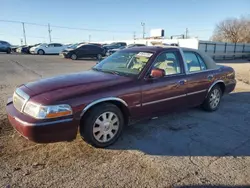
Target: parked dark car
<point x="86" y="50"/>
<point x="114" y="45"/>
<point x="132" y="84"/>
<point x="109" y="52"/>
<point x="5" y="47"/>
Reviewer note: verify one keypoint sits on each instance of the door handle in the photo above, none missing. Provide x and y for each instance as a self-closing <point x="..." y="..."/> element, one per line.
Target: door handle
<point x="210" y="77"/>
<point x="182" y="82"/>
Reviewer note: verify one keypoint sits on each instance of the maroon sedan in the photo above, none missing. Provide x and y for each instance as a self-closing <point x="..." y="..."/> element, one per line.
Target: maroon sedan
<point x="131" y="84"/>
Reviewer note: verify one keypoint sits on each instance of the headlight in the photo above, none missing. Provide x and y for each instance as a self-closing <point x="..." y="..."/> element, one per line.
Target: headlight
<point x="45" y="112"/>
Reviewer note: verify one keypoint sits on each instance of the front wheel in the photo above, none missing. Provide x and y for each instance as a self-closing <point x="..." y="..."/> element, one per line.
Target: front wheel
<point x="213" y="99"/>
<point x="99" y="56"/>
<point x="103" y="125"/>
<point x="73" y="57"/>
<point x="40" y="52"/>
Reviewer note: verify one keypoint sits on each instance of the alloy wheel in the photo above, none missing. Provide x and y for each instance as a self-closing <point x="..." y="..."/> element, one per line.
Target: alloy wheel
<point x="214" y="99"/>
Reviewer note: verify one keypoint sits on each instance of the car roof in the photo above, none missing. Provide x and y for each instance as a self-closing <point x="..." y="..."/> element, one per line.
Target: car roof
<point x="150" y="48"/>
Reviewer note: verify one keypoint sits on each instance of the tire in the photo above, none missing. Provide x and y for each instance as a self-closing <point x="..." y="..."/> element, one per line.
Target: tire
<point x="73" y="57"/>
<point x="8" y="51"/>
<point x="96" y="126"/>
<point x="213" y="99"/>
<point x="40" y="52"/>
<point x="99" y="56"/>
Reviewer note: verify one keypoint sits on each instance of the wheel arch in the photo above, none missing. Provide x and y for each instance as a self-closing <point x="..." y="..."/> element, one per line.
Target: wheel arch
<point x="41" y="50"/>
<point x="220" y="83"/>
<point x="120" y="103"/>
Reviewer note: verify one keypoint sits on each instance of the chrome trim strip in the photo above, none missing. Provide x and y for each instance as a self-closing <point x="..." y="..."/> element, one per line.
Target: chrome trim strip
<point x="196" y="72"/>
<point x="44" y="123"/>
<point x="102" y="100"/>
<point x="166" y="99"/>
<point x="196" y="92"/>
<point x="23" y="95"/>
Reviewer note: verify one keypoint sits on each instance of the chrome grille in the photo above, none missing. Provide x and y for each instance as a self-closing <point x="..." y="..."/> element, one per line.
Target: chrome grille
<point x="19" y="99"/>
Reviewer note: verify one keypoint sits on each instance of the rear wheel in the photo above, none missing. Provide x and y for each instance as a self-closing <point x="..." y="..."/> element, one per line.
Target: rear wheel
<point x="8" y="51"/>
<point x="213" y="99"/>
<point x="40" y="52"/>
<point x="103" y="125"/>
<point x="73" y="57"/>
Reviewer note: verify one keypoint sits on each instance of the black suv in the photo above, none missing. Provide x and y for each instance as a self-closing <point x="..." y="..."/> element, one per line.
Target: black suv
<point x="85" y="50"/>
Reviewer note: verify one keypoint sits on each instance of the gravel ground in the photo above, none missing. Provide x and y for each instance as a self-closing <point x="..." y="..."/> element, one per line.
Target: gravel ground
<point x="178" y="150"/>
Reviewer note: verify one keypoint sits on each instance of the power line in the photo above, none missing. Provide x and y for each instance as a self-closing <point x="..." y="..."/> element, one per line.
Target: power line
<point x="66" y="27"/>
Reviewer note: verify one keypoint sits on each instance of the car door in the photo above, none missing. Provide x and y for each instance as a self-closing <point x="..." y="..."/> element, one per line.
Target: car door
<point x="57" y="48"/>
<point x="169" y="92"/>
<point x="82" y="51"/>
<point x="49" y="49"/>
<point x="199" y="78"/>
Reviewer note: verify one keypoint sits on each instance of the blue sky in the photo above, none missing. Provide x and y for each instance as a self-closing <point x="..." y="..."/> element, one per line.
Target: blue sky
<point x="122" y="16"/>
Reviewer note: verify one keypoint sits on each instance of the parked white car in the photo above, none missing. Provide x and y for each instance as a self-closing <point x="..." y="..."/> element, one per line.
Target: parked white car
<point x="52" y="48"/>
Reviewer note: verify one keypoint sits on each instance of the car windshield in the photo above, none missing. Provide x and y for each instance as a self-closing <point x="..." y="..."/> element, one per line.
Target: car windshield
<point x="73" y="46"/>
<point x="127" y="63"/>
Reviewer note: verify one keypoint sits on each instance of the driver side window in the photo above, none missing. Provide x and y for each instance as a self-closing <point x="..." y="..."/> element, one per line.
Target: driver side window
<point x="169" y="62"/>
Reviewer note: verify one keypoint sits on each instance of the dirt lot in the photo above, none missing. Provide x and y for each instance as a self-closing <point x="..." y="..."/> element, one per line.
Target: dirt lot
<point x="178" y="150"/>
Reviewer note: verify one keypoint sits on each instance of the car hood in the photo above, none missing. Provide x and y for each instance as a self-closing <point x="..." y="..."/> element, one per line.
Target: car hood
<point x="68" y="50"/>
<point x="71" y="84"/>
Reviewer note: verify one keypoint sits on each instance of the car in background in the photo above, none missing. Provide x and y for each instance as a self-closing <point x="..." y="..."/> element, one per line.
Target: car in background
<point x="109" y="52"/>
<point x="114" y="45"/>
<point x="14" y="48"/>
<point x="5" y="47"/>
<point x="85" y="50"/>
<point x="25" y="49"/>
<point x="52" y="48"/>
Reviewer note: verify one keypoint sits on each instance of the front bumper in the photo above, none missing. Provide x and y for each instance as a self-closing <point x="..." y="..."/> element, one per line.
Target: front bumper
<point x="42" y="131"/>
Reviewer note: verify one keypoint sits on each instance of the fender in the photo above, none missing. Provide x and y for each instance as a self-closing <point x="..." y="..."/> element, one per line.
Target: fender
<point x="102" y="100"/>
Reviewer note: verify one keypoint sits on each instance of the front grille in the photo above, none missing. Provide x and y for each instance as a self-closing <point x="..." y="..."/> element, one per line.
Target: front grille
<point x="19" y="99"/>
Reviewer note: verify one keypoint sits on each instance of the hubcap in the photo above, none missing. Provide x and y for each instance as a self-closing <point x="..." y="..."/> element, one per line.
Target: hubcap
<point x="214" y="98"/>
<point x="73" y="56"/>
<point x="106" y="127"/>
<point x="99" y="56"/>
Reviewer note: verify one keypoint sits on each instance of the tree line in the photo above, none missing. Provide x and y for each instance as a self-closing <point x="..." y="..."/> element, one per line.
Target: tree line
<point x="236" y="30"/>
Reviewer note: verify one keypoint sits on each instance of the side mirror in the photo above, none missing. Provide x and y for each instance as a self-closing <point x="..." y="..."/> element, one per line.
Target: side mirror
<point x="157" y="73"/>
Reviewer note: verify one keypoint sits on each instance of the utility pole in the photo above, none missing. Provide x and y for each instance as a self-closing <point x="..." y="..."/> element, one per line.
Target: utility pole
<point x="186" y="33"/>
<point x="134" y="35"/>
<point x="49" y="30"/>
<point x="89" y="38"/>
<point x="21" y="42"/>
<point x="24" y="35"/>
<point x="143" y="29"/>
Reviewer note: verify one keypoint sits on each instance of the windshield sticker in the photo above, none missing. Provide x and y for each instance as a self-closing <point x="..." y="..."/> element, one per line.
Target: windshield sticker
<point x="144" y="54"/>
